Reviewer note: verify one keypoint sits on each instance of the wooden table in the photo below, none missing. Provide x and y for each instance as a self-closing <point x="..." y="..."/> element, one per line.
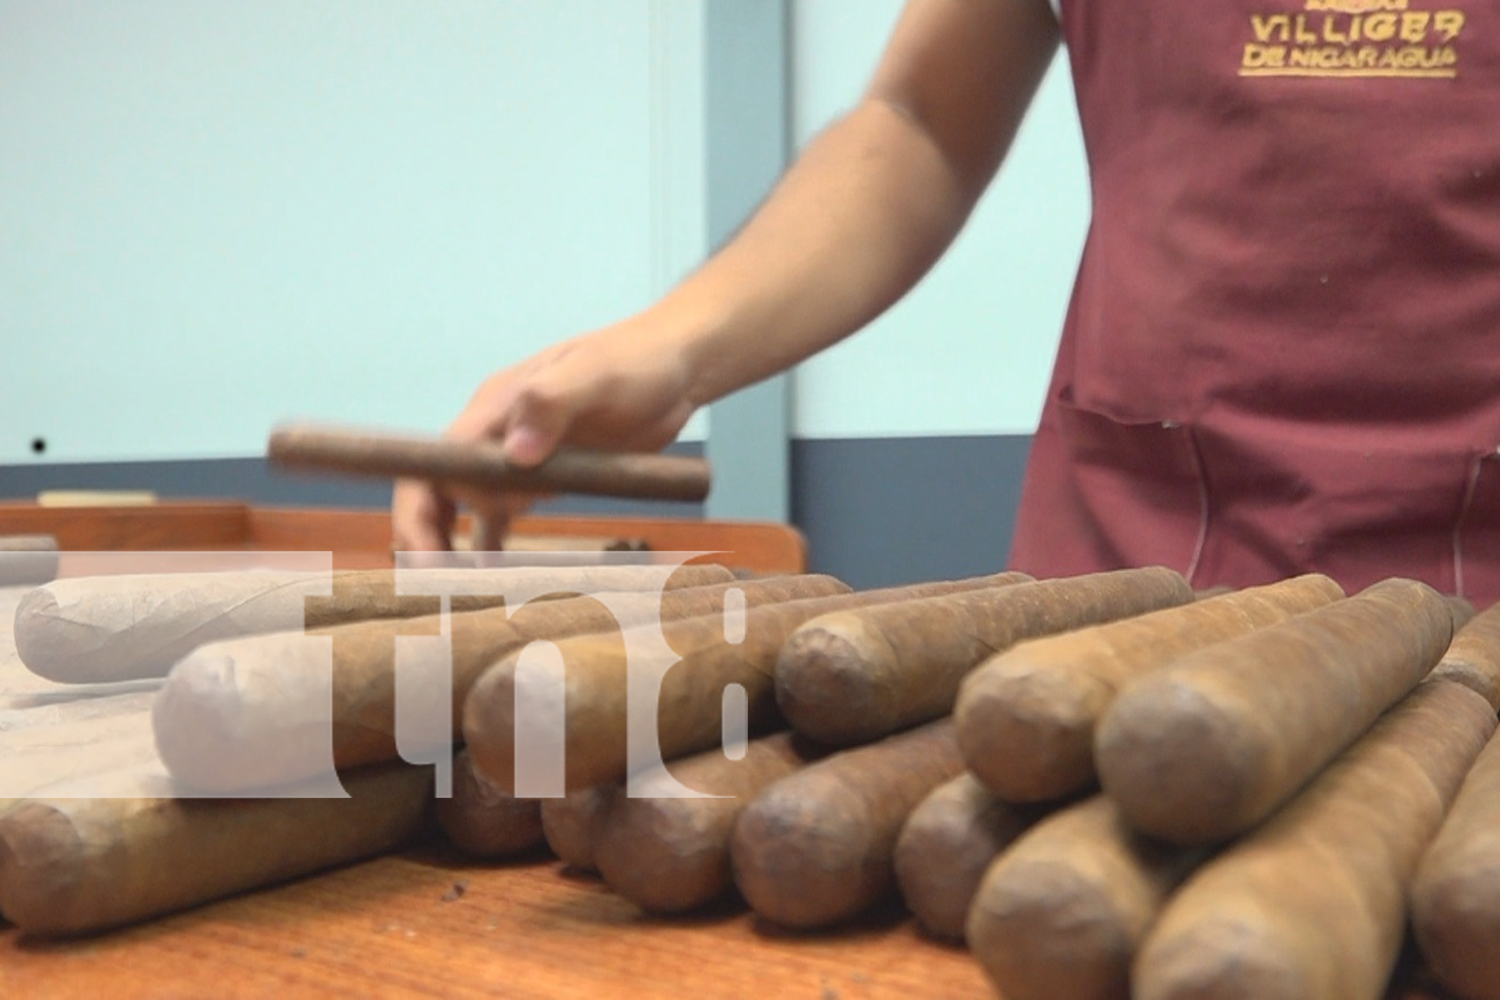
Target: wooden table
<point x="360" y="539"/>
<point x="426" y="923"/>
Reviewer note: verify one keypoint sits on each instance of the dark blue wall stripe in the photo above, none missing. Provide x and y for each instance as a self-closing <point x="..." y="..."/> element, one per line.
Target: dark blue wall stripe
<point x="886" y="511"/>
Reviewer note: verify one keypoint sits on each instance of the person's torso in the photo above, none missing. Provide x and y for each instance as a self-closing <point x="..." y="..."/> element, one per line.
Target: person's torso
<point x="1283" y="349"/>
<point x="1285" y="188"/>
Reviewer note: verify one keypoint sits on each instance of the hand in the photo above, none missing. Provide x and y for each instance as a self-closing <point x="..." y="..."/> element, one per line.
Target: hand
<point x="625" y="388"/>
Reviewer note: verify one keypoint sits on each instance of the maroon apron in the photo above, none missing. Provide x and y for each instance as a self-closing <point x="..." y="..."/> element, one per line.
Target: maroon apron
<point x="1283" y="349"/>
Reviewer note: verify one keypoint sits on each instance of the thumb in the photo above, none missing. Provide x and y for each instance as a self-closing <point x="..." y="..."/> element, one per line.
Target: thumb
<point x="537" y="425"/>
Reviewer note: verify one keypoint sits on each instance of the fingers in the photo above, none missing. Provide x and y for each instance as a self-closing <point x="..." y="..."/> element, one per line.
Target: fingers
<point x="490" y="531"/>
<point x="421" y="517"/>
<point x="494" y="515"/>
<point x="539" y="419"/>
<point x="598" y="391"/>
<point x="529" y="419"/>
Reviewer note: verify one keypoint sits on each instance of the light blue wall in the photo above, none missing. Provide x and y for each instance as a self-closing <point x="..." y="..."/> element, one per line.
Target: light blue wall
<point x="969" y="352"/>
<point x="215" y="215"/>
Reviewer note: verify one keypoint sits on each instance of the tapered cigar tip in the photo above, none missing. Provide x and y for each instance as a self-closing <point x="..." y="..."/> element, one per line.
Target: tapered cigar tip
<point x="1222" y="957"/>
<point x="665" y="855"/>
<point x="51" y="643"/>
<point x="484" y="821"/>
<point x="1176" y="764"/>
<point x="946" y="846"/>
<point x="1042" y="929"/>
<point x="38" y="629"/>
<point x="196" y="717"/>
<point x="39" y="851"/>
<point x="489" y="724"/>
<point x="570" y="824"/>
<point x="1027" y="730"/>
<point x="39" y="602"/>
<point x="1456" y="918"/>
<point x="831" y="678"/>
<point x="287" y="444"/>
<point x="803" y="852"/>
<point x="276" y="443"/>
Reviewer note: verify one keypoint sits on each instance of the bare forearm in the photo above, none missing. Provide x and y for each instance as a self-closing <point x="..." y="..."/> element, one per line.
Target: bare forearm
<point x="863" y="214"/>
<point x="873" y="201"/>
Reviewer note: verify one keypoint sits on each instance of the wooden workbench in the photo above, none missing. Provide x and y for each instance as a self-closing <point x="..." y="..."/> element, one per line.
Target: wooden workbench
<point x="360" y="539"/>
<point x="426" y="923"/>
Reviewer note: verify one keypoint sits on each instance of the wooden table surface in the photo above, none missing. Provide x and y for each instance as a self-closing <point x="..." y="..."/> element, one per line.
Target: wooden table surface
<point x="427" y="923"/>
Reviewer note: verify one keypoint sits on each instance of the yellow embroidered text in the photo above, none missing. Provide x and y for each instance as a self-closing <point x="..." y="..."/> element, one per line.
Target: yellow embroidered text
<point x="1354" y="38"/>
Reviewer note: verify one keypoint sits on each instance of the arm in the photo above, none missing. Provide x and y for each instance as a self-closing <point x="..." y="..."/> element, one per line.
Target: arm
<point x="866" y="210"/>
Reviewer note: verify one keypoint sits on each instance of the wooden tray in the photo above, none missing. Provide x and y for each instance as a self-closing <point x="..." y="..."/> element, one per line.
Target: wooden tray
<point x="362" y="539"/>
